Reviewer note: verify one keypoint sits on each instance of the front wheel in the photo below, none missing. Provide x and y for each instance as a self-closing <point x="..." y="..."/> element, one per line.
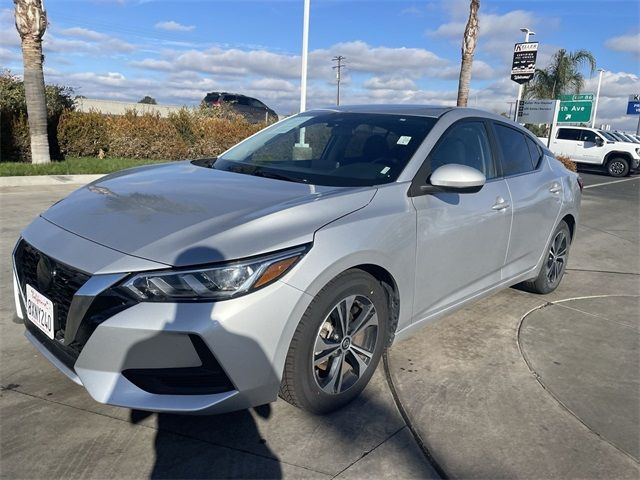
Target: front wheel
<point x="618" y="167"/>
<point x="337" y="345"/>
<point x="555" y="262"/>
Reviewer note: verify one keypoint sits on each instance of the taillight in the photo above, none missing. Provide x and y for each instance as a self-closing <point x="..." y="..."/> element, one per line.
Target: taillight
<point x="580" y="182"/>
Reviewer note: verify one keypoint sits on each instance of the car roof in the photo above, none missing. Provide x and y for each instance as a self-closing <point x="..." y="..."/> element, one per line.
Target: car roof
<point x="434" y="111"/>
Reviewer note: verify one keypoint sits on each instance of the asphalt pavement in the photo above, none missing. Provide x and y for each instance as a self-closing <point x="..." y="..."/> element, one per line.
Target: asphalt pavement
<point x="516" y="385"/>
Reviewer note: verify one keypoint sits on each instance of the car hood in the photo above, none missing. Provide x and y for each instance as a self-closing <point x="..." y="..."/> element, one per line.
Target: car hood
<point x="181" y="214"/>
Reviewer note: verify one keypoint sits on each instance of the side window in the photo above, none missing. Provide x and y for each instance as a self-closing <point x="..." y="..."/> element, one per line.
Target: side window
<point x="568" y="134"/>
<point x="515" y="153"/>
<point x="256" y="103"/>
<point x="535" y="152"/>
<point x="588" y="136"/>
<point x="465" y="144"/>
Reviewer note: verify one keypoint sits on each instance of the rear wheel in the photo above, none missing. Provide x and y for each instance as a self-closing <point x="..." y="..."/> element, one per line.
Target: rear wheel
<point x="337" y="345"/>
<point x="618" y="167"/>
<point x="555" y="262"/>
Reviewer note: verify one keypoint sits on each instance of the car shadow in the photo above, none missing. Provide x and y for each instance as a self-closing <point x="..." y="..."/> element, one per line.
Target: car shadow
<point x="231" y="445"/>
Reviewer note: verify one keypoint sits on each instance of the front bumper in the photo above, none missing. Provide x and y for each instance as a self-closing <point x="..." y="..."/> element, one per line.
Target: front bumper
<point x="248" y="337"/>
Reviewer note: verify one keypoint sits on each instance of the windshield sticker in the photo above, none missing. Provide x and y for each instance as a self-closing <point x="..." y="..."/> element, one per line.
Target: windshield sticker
<point x="385" y="170"/>
<point x="404" y="140"/>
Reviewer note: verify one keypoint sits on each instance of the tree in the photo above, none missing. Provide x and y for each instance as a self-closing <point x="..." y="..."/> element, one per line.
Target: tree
<point x="31" y="23"/>
<point x="148" y="100"/>
<point x="562" y="76"/>
<point x="469" y="42"/>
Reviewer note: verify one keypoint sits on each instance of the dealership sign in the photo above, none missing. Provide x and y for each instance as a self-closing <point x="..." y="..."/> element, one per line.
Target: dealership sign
<point x="633" y="107"/>
<point x="524" y="61"/>
<point x="536" y="111"/>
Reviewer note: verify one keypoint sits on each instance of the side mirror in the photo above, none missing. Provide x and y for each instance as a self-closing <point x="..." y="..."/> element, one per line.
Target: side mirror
<point x="599" y="141"/>
<point x="455" y="178"/>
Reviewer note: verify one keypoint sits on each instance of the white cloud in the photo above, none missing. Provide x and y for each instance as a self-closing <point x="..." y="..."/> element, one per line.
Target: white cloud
<point x="84" y="33"/>
<point x="389" y="83"/>
<point x="625" y="43"/>
<point x="172" y="26"/>
<point x="490" y="24"/>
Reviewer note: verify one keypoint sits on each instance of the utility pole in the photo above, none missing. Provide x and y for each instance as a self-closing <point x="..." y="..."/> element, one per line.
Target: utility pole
<point x="527" y="34"/>
<point x="338" y="68"/>
<point x="595" y="107"/>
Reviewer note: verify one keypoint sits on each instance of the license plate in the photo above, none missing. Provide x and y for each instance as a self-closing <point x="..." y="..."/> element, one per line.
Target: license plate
<point x="40" y="311"/>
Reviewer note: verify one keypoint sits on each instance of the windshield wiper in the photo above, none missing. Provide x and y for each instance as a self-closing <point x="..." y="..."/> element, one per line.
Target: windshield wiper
<point x="278" y="176"/>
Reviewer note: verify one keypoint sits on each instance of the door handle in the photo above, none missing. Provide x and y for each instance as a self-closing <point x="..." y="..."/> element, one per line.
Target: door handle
<point x="500" y="204"/>
<point x="555" y="188"/>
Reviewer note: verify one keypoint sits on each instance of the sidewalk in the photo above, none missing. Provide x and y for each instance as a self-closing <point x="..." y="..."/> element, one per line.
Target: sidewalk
<point x="567" y="410"/>
<point x="41" y="180"/>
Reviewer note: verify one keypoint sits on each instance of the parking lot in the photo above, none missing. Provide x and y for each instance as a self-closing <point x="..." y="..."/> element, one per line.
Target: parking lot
<point x="517" y="385"/>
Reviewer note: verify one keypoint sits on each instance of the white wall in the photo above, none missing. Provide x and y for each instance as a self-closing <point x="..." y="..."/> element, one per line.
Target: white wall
<point x="114" y="107"/>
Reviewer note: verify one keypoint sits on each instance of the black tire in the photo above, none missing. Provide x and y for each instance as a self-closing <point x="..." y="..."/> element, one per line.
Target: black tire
<point x="301" y="379"/>
<point x="618" y="167"/>
<point x="547" y="281"/>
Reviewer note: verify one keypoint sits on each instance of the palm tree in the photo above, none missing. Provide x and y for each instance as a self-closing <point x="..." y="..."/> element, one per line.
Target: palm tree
<point x="31" y="23"/>
<point x="562" y="76"/>
<point x="468" y="47"/>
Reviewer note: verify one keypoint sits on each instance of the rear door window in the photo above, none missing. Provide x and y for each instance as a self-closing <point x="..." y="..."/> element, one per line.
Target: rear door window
<point x="568" y="134"/>
<point x="516" y="158"/>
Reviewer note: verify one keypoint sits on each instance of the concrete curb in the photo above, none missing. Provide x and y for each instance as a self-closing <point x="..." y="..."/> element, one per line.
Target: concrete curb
<point x="42" y="180"/>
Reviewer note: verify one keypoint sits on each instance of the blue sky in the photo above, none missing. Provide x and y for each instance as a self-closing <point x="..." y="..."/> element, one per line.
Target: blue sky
<point x="397" y="51"/>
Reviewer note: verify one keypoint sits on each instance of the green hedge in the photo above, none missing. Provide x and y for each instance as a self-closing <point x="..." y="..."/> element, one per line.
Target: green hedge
<point x="188" y="133"/>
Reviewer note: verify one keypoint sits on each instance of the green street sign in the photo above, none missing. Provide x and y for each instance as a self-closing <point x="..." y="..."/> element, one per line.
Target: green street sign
<point x="577" y="98"/>
<point x="575" y="111"/>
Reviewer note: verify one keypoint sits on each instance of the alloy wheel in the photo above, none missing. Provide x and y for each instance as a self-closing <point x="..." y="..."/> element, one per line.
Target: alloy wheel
<point x="617" y="168"/>
<point x="557" y="258"/>
<point x="345" y="344"/>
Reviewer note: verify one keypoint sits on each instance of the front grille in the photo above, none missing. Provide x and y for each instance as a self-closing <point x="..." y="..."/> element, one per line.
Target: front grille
<point x="65" y="281"/>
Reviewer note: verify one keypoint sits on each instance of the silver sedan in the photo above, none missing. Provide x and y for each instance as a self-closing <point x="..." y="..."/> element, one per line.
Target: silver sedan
<point x="289" y="263"/>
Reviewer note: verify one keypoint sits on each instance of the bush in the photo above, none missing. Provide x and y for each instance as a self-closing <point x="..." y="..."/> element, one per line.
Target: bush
<point x="187" y="133"/>
<point x="14" y="145"/>
<point x="568" y="163"/>
<point x="83" y="134"/>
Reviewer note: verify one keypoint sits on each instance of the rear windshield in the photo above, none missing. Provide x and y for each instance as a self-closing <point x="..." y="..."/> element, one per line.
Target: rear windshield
<point x="331" y="148"/>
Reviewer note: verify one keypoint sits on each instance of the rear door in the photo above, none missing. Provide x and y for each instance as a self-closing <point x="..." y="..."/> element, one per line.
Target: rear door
<point x="566" y="142"/>
<point x="461" y="237"/>
<point x="536" y="196"/>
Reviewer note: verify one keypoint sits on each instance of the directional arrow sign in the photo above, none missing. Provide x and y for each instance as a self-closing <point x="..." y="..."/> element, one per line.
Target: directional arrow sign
<point x="575" y="108"/>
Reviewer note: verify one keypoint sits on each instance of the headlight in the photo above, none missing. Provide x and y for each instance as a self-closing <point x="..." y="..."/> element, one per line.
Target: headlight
<point x="217" y="282"/>
<point x="638" y="151"/>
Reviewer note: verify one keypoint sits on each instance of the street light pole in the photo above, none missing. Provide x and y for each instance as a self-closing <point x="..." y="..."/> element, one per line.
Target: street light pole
<point x="305" y="51"/>
<point x="595" y="107"/>
<point x="527" y="34"/>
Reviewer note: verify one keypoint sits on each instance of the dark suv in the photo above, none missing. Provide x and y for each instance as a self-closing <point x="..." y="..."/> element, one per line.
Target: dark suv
<point x="252" y="109"/>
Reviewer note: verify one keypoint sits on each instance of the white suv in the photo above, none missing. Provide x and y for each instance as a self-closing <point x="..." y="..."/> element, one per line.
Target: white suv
<point x="596" y="147"/>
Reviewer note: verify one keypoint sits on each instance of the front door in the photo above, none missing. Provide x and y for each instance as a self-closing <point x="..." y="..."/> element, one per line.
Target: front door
<point x="461" y="238"/>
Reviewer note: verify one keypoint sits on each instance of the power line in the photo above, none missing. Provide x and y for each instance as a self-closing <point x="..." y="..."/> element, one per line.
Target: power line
<point x="338" y="68"/>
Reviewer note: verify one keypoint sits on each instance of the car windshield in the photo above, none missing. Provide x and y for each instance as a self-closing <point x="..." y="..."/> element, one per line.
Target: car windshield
<point x="607" y="135"/>
<point x="330" y="148"/>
